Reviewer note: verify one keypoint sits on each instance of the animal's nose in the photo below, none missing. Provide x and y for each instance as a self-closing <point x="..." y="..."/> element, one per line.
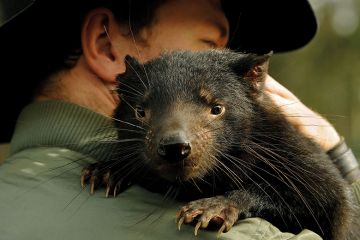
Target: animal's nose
<point x="174" y="149"/>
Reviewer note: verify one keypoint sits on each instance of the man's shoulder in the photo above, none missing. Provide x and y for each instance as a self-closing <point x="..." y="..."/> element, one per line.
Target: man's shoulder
<point x="41" y="198"/>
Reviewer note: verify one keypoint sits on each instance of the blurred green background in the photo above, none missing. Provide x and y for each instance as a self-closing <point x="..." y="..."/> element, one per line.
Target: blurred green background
<point x="325" y="74"/>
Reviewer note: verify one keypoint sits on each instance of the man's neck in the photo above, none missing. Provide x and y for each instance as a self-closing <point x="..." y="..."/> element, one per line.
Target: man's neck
<point x="80" y="86"/>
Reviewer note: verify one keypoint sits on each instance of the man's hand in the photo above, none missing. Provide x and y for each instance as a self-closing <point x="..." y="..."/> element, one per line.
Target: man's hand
<point x="311" y="124"/>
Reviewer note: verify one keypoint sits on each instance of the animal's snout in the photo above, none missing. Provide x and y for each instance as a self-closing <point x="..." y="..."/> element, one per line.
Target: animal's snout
<point x="174" y="148"/>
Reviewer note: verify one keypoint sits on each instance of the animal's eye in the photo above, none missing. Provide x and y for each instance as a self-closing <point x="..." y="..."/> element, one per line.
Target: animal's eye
<point x="217" y="110"/>
<point x="139" y="112"/>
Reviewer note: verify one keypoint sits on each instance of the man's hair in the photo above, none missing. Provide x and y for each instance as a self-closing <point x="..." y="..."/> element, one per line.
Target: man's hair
<point x="136" y="14"/>
<point x="59" y="47"/>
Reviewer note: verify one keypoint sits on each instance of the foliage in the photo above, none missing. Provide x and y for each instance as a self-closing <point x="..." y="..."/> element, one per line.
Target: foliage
<point x="325" y="74"/>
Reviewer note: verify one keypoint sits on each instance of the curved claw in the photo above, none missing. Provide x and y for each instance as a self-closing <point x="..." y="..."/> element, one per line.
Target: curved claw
<point x="181" y="220"/>
<point x="92" y="186"/>
<point x="198" y="225"/>
<point x="107" y="191"/>
<point x="115" y="191"/>
<point x="221" y="230"/>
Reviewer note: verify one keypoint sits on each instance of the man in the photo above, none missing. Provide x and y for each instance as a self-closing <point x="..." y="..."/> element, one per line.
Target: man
<point x="67" y="57"/>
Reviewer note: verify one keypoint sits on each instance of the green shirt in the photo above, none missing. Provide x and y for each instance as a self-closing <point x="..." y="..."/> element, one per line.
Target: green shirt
<point x="41" y="196"/>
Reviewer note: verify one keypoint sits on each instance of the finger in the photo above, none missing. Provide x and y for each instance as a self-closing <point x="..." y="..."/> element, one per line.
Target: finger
<point x="275" y="87"/>
<point x="286" y="105"/>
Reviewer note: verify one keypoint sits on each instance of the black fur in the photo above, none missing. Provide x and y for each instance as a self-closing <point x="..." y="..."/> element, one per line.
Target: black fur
<point x="249" y="153"/>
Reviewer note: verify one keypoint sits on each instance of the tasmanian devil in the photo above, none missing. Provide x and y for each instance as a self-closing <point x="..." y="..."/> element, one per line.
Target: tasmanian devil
<point x="199" y="124"/>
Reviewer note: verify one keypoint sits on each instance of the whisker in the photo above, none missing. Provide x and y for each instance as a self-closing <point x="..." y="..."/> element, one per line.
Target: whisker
<point x="137" y="74"/>
<point x="129" y="130"/>
<point x="137" y="49"/>
<point x="128" y="123"/>
<point x="289" y="182"/>
<point x="131" y="88"/>
<point x="132" y="93"/>
<point x="265" y="181"/>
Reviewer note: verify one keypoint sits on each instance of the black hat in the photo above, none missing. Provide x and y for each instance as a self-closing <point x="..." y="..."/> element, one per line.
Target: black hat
<point x="255" y="26"/>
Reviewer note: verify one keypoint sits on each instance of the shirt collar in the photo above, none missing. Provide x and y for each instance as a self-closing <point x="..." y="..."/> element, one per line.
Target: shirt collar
<point x="62" y="124"/>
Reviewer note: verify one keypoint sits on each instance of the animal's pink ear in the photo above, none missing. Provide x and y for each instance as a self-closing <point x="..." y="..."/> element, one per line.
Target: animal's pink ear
<point x="251" y="68"/>
<point x="258" y="71"/>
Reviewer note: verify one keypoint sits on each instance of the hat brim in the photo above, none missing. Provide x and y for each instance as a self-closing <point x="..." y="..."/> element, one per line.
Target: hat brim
<point x="255" y="25"/>
<point x="270" y="25"/>
<point x="13" y="10"/>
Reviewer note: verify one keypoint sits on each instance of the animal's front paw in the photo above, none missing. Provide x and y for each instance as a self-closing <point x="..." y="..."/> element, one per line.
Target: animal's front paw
<point x="219" y="210"/>
<point x="104" y="174"/>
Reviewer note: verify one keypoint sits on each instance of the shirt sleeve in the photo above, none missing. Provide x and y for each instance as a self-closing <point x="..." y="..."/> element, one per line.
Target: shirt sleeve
<point x="260" y="229"/>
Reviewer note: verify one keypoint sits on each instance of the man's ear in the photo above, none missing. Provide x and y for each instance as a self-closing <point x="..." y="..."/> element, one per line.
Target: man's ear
<point x="258" y="72"/>
<point x="98" y="30"/>
<point x="253" y="69"/>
